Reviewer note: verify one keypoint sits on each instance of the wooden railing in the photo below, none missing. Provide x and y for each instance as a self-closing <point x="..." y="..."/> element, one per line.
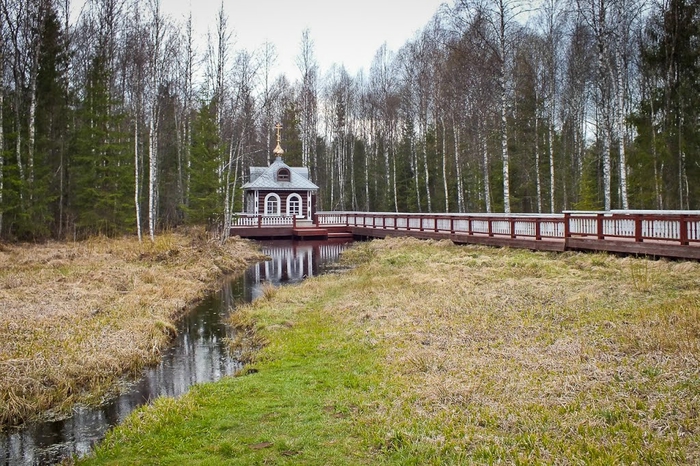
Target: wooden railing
<point x="680" y="228"/>
<point x="259" y="221"/>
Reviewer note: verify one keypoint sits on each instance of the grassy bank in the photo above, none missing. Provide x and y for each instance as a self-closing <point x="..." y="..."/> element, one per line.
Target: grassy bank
<point x="74" y="317"/>
<point x="428" y="353"/>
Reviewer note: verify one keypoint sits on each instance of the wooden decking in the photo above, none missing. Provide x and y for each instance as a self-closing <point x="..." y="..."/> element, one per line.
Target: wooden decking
<point x="652" y="233"/>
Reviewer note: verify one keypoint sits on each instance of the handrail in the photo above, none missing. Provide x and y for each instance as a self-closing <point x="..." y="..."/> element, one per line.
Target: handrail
<point x="259" y="221"/>
<point x="672" y="227"/>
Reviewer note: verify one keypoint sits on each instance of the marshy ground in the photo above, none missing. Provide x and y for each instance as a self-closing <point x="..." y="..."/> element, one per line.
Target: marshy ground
<point x="75" y="316"/>
<point x="430" y="353"/>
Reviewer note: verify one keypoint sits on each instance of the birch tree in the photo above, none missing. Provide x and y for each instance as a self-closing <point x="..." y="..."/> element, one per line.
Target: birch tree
<point x="156" y="62"/>
<point x="499" y="19"/>
<point x="308" y="67"/>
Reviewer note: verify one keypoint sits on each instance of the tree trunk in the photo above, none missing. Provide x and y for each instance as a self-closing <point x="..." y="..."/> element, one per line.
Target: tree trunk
<point x="152" y="173"/>
<point x="538" y="178"/>
<point x="352" y="173"/>
<point x="414" y="167"/>
<point x="230" y="189"/>
<point x="683" y="188"/>
<point x="424" y="130"/>
<point x="31" y="131"/>
<point x="487" y="183"/>
<point x="657" y="173"/>
<point x="367" y="152"/>
<point x="2" y="133"/>
<point x="621" y="132"/>
<point x="504" y="121"/>
<point x="396" y="198"/>
<point x="444" y="168"/>
<point x="18" y="145"/>
<point x="458" y="169"/>
<point x="550" y="144"/>
<point x="137" y="180"/>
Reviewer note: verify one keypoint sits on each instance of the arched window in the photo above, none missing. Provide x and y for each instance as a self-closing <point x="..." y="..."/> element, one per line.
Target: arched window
<point x="283" y="174"/>
<point x="294" y="205"/>
<point x="272" y="204"/>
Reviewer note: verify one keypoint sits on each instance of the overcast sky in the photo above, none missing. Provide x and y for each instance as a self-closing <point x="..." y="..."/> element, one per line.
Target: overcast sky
<point x="343" y="32"/>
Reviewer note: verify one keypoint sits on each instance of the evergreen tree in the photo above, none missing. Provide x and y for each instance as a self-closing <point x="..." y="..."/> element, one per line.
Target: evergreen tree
<point x="205" y="203"/>
<point x="667" y="123"/>
<point x="101" y="174"/>
<point x="52" y="129"/>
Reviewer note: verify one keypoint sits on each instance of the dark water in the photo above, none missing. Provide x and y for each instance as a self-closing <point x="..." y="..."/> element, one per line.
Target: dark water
<point x="197" y="355"/>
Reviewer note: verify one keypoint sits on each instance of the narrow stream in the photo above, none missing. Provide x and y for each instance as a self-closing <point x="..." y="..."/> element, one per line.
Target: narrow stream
<point x="197" y="355"/>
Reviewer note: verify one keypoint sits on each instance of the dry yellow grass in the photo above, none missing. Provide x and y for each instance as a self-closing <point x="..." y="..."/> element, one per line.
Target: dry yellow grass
<point x="430" y="353"/>
<point x="530" y="357"/>
<point x="74" y="317"/>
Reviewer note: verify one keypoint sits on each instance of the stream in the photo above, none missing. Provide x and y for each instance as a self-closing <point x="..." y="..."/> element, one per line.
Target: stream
<point x="197" y="355"/>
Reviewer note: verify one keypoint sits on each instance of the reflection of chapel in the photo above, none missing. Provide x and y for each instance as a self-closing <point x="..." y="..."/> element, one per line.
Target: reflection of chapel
<point x="280" y="189"/>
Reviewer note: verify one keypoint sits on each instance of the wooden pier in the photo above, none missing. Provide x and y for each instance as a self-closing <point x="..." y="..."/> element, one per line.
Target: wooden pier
<point x="654" y="233"/>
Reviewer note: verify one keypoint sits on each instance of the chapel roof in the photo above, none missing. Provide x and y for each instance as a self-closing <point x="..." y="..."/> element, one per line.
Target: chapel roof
<point x="266" y="178"/>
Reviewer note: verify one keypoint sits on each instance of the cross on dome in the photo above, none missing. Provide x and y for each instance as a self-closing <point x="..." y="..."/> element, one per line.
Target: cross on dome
<point x="278" y="150"/>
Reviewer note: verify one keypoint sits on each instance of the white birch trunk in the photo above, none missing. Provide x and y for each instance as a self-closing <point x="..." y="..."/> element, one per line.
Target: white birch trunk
<point x="425" y="167"/>
<point x="550" y="144"/>
<point x="414" y="167"/>
<point x="367" y="152"/>
<point x="607" y="185"/>
<point x="504" y="149"/>
<point x="538" y="178"/>
<point x="31" y="130"/>
<point x="352" y="174"/>
<point x="18" y="146"/>
<point x="341" y="169"/>
<point x="504" y="108"/>
<point x="621" y="132"/>
<point x="387" y="164"/>
<point x="333" y="155"/>
<point x="396" y="198"/>
<point x="603" y="110"/>
<point x="152" y="174"/>
<point x="458" y="169"/>
<point x="229" y="191"/>
<point x="487" y="183"/>
<point x="153" y="123"/>
<point x="444" y="168"/>
<point x="137" y="180"/>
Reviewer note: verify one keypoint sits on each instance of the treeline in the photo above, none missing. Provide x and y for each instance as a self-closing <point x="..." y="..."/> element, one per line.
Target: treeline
<point x="115" y="119"/>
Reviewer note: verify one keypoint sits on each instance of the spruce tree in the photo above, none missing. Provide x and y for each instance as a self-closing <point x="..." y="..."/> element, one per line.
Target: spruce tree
<point x="205" y="204"/>
<point x="101" y="168"/>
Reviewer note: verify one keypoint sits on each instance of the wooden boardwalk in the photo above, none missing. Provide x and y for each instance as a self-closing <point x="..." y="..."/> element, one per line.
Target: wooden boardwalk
<point x="655" y="233"/>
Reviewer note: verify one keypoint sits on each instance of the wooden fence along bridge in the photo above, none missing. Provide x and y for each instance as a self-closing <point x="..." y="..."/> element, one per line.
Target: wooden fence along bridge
<point x="655" y="233"/>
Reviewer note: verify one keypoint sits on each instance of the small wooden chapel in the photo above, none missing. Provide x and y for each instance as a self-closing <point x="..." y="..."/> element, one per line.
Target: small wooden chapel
<point x="280" y="190"/>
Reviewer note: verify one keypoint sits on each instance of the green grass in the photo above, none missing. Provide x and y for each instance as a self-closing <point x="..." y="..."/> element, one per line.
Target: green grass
<point x="295" y="404"/>
<point x="429" y="353"/>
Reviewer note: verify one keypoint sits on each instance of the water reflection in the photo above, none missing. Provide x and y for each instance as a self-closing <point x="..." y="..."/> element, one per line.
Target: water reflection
<point x="197" y="355"/>
<point x="291" y="262"/>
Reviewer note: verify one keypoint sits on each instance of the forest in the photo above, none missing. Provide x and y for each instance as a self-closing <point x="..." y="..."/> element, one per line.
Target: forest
<point x="115" y="121"/>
